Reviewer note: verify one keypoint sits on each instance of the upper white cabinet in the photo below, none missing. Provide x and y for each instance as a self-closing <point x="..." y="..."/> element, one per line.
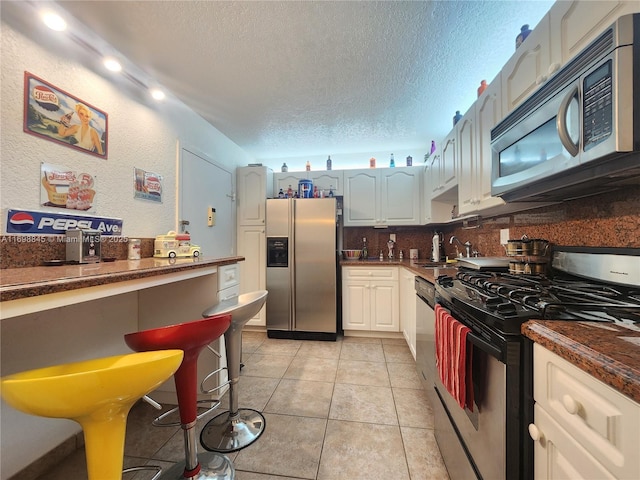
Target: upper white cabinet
<point x="253" y="186"/>
<point x="528" y="67"/>
<point x="444" y="167"/>
<point x="474" y="184"/>
<point x="324" y="180"/>
<point x="381" y="197"/>
<point x="573" y="25"/>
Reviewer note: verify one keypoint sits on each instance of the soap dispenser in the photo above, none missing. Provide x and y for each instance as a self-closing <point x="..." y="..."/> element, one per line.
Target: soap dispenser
<point x="435" y="247"/>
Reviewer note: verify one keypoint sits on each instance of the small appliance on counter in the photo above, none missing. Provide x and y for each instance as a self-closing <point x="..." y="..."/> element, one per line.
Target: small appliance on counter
<point x="83" y="245"/>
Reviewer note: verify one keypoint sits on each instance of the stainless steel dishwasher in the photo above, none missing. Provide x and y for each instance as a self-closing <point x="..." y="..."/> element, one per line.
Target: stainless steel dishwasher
<point x="425" y="328"/>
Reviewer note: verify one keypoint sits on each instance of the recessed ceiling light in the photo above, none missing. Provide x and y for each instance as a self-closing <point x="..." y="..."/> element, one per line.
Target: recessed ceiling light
<point x="54" y="21"/>
<point x="112" y="64"/>
<point x="157" y="94"/>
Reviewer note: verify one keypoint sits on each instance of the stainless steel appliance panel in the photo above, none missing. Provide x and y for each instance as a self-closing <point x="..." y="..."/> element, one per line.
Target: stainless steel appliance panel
<point x="483" y="431"/>
<point x="315" y="265"/>
<point x="578" y="134"/>
<point x="302" y="294"/>
<point x="425" y="336"/>
<point x="279" y="278"/>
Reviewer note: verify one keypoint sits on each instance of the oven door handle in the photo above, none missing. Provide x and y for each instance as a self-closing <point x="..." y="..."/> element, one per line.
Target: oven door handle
<point x="484" y="346"/>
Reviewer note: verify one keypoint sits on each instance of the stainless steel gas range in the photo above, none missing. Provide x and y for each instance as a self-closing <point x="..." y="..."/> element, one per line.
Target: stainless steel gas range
<point x="489" y="441"/>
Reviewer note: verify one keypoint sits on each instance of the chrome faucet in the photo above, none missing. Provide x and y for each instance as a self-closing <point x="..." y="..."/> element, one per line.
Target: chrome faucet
<point x="466" y="245"/>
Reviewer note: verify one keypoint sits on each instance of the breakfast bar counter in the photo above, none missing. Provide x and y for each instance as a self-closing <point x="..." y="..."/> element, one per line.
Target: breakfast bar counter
<point x="32" y="289"/>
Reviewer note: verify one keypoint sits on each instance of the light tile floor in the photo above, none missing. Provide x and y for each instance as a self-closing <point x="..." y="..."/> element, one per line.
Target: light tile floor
<point x="351" y="409"/>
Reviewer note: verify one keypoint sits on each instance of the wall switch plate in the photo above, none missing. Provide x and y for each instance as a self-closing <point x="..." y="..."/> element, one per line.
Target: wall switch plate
<point x="392" y="237"/>
<point x="504" y="236"/>
<point x="211" y="216"/>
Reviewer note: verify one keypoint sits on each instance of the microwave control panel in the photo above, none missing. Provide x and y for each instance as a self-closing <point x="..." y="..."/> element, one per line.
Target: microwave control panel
<point x="597" y="106"/>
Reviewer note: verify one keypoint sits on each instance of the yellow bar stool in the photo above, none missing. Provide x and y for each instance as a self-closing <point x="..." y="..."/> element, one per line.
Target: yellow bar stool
<point x="97" y="394"/>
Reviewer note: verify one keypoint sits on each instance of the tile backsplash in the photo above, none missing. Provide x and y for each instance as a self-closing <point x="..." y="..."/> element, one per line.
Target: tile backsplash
<point x="608" y="220"/>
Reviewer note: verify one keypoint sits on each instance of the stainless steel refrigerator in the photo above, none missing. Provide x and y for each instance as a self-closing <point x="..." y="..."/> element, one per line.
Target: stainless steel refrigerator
<point x="301" y="268"/>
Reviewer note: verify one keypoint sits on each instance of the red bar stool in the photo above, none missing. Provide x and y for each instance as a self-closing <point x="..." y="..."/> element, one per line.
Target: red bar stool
<point x="97" y="394"/>
<point x="239" y="427"/>
<point x="191" y="337"/>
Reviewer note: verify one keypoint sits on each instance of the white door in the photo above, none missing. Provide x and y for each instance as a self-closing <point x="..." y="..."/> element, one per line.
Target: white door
<point x="204" y="184"/>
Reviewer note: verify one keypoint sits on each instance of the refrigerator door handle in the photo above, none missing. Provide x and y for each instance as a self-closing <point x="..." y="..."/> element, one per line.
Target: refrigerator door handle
<point x="292" y="263"/>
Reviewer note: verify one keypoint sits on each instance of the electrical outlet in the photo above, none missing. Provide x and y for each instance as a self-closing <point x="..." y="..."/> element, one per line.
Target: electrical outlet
<point x="504" y="236"/>
<point x="211" y="216"/>
<point x="392" y="237"/>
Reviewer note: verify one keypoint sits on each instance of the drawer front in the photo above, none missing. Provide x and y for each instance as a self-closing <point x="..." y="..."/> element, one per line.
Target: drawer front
<point x="558" y="456"/>
<point x="374" y="273"/>
<point x="603" y="421"/>
<point x="228" y="276"/>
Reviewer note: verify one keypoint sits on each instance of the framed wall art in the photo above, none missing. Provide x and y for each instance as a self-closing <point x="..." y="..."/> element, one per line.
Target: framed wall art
<point x="55" y="115"/>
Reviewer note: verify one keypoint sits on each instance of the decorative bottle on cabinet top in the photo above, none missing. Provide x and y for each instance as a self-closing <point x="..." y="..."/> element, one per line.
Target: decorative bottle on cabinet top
<point x="284" y="168"/>
<point x="372" y="162"/>
<point x="524" y="33"/>
<point x="308" y="166"/>
<point x="457" y="117"/>
<point x="329" y="163"/>
<point x="482" y="87"/>
<point x="392" y="162"/>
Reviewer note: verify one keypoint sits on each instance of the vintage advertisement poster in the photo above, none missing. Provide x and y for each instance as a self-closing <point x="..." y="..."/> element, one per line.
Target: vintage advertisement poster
<point x="147" y="185"/>
<point x="64" y="188"/>
<point x="60" y="117"/>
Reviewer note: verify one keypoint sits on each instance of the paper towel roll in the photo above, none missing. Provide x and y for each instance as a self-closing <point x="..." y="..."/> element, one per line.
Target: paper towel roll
<point x="413" y="253"/>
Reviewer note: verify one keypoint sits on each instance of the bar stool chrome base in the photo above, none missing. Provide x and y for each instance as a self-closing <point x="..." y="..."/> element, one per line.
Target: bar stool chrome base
<point x="227" y="433"/>
<point x="213" y="466"/>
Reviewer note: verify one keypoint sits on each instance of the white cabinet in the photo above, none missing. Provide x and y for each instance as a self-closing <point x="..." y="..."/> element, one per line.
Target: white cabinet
<point x="583" y="428"/>
<point x="574" y="24"/>
<point x="444" y="167"/>
<point x="252" y="245"/>
<point x="382" y="197"/>
<point x="253" y="186"/>
<point x="528" y="67"/>
<point x="370" y="299"/>
<point x="474" y="151"/>
<point x="324" y="180"/>
<point x="408" y="308"/>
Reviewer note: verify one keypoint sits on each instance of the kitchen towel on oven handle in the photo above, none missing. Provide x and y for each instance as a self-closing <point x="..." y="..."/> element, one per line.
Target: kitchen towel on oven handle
<point x="454" y="357"/>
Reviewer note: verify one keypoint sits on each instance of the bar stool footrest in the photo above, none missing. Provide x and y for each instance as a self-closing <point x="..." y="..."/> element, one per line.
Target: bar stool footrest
<point x="157" y="420"/>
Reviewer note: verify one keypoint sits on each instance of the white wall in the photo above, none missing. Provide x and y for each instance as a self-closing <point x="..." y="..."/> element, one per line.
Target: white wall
<point x="140" y="135"/>
<point x="143" y="135"/>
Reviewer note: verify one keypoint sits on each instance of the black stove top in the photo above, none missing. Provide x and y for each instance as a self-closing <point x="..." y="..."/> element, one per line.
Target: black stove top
<point x="503" y="301"/>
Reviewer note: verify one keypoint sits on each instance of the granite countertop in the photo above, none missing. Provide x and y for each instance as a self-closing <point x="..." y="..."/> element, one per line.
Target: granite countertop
<point x="606" y="351"/>
<point x="424" y="268"/>
<point x="17" y="283"/>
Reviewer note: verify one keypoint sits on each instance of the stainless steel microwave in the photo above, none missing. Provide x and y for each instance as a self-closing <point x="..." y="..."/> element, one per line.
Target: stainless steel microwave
<point x="579" y="133"/>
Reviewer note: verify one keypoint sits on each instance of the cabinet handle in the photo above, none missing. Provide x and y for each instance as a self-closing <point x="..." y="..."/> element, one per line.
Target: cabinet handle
<point x="535" y="434"/>
<point x="570" y="404"/>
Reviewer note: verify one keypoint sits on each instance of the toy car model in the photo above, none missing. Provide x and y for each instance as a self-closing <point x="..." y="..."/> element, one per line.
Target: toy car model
<point x="174" y="245"/>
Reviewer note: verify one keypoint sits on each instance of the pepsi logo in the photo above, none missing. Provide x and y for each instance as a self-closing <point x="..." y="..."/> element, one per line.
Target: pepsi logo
<point x="22" y="222"/>
<point x="46" y="98"/>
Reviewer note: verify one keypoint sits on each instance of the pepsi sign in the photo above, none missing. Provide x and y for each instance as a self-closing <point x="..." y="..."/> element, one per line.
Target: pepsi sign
<point x="45" y="223"/>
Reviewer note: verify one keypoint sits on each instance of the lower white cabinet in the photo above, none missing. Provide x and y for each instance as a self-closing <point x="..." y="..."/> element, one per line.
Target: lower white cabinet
<point x="252" y="245"/>
<point x="408" y="308"/>
<point x="582" y="428"/>
<point x="370" y="299"/>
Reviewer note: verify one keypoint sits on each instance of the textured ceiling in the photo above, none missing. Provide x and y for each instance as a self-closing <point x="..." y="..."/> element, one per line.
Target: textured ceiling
<point x="302" y="78"/>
